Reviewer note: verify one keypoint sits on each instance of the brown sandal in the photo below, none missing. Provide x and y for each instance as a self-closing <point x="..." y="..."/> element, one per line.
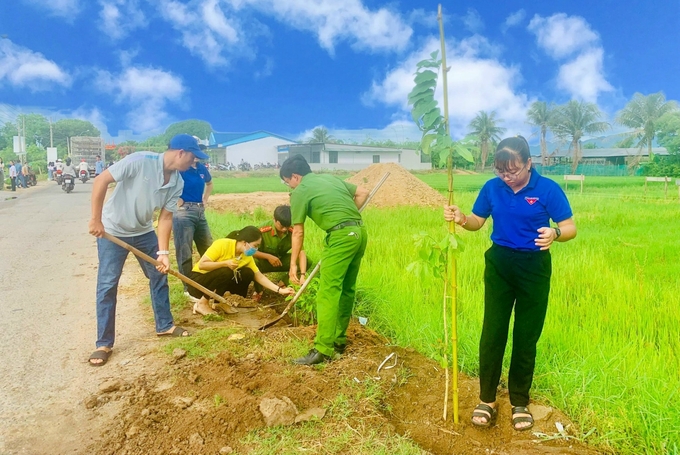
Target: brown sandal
<point x="485" y="412"/>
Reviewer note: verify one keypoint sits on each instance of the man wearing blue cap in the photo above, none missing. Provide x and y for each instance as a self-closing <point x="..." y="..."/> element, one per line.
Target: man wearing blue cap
<point x="145" y="182"/>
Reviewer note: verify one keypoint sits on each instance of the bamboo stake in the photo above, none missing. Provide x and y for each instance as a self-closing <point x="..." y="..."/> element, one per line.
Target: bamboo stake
<point x="450" y="280"/>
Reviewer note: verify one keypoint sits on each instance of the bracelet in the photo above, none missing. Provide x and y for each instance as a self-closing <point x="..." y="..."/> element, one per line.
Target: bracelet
<point x="162" y="253"/>
<point x="278" y="290"/>
<point x="465" y="220"/>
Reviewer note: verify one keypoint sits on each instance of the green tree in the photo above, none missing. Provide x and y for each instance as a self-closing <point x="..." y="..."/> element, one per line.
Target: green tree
<point x="485" y="127"/>
<point x="642" y="114"/>
<point x="668" y="132"/>
<point x="68" y="128"/>
<point x="540" y="114"/>
<point x="320" y="134"/>
<point x="574" y="120"/>
<point x="591" y="145"/>
<point x="194" y="127"/>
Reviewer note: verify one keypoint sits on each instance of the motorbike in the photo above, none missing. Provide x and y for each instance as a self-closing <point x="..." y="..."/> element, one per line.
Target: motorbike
<point x="84" y="176"/>
<point x="68" y="183"/>
<point x="58" y="176"/>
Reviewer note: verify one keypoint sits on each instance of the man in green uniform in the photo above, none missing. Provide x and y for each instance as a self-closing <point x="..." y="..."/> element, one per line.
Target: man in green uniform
<point x="274" y="252"/>
<point x="333" y="205"/>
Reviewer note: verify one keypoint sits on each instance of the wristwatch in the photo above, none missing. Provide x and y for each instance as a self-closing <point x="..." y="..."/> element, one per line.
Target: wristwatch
<point x="558" y="233"/>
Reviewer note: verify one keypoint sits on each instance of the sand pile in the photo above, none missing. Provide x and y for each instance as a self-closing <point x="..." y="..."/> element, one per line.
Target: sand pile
<point x="400" y="188"/>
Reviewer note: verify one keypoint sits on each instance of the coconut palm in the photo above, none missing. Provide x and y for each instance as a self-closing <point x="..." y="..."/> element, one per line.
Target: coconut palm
<point x="573" y="121"/>
<point x="320" y="134"/>
<point x="642" y="113"/>
<point x="540" y="114"/>
<point x="485" y="127"/>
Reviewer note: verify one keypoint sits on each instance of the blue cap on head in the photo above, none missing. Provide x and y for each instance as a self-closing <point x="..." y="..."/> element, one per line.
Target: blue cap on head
<point x="188" y="144"/>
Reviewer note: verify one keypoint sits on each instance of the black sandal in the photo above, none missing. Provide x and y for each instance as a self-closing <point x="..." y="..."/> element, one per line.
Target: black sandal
<point x="100" y="354"/>
<point x="485" y="412"/>
<point x="515" y="420"/>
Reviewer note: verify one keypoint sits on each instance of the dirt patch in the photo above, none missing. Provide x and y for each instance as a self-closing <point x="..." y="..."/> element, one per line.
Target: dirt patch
<point x="400" y="188"/>
<point x="248" y="202"/>
<point x="198" y="406"/>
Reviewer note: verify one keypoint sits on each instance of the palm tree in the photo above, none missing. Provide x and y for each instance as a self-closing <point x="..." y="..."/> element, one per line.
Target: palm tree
<point x="320" y="134"/>
<point x="642" y="113"/>
<point x="573" y="121"/>
<point x="540" y="114"/>
<point x="485" y="128"/>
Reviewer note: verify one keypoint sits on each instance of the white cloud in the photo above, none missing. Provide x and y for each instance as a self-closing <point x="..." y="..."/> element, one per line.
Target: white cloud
<point x="22" y="67"/>
<point x="64" y="8"/>
<point x="147" y="91"/>
<point x="206" y="31"/>
<point x="582" y="77"/>
<point x="514" y="19"/>
<point x="473" y="21"/>
<point x="561" y="35"/>
<point x="476" y="82"/>
<point x="119" y="17"/>
<point x="335" y="21"/>
<point x="571" y="37"/>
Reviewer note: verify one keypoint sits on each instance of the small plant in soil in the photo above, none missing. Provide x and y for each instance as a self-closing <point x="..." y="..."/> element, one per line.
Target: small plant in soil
<point x="218" y="400"/>
<point x="304" y="312"/>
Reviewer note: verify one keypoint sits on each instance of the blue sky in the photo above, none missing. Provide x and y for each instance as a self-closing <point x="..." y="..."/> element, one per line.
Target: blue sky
<point x="287" y="66"/>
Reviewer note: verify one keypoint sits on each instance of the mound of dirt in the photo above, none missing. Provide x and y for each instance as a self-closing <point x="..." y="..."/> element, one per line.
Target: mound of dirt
<point x="400" y="188"/>
<point x="212" y="406"/>
<point x="248" y="202"/>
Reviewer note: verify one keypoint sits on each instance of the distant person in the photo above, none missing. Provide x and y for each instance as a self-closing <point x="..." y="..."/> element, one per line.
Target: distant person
<point x="228" y="266"/>
<point x="13" y="175"/>
<point x="50" y="170"/>
<point x="21" y="182"/>
<point x="98" y="166"/>
<point x="333" y="205"/>
<point x="517" y="272"/>
<point x="2" y="174"/>
<point x="274" y="252"/>
<point x="69" y="169"/>
<point x="83" y="167"/>
<point x="188" y="223"/>
<point x="145" y="182"/>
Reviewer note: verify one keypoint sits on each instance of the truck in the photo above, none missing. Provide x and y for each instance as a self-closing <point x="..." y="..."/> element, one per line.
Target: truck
<point x="86" y="147"/>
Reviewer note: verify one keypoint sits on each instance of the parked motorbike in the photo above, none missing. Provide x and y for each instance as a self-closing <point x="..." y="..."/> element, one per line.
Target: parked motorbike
<point x="68" y="183"/>
<point x="84" y="176"/>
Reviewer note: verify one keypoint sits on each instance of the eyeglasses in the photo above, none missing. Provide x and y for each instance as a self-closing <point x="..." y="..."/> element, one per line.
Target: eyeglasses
<point x="253" y="246"/>
<point x="285" y="183"/>
<point x="510" y="175"/>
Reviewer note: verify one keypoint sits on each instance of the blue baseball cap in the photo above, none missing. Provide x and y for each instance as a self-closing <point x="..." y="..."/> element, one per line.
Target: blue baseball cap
<point x="187" y="143"/>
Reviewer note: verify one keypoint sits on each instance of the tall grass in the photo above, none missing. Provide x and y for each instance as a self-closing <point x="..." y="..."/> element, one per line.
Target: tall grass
<point x="609" y="355"/>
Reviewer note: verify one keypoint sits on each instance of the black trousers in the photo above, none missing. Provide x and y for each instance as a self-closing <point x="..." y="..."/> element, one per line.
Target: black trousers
<point x="519" y="279"/>
<point x="266" y="267"/>
<point x="222" y="280"/>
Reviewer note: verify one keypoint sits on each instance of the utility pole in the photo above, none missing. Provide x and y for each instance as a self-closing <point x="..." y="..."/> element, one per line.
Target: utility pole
<point x="51" y="143"/>
<point x="22" y="144"/>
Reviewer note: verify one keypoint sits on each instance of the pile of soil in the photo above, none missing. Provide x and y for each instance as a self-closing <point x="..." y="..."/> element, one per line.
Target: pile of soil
<point x="209" y="406"/>
<point x="247" y="202"/>
<point x="400" y="188"/>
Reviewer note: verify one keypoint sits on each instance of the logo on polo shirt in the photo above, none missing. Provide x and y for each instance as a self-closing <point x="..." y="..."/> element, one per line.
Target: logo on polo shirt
<point x="202" y="176"/>
<point x="531" y="200"/>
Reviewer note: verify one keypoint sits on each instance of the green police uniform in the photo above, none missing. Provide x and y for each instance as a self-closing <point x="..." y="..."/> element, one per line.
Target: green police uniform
<point x="274" y="245"/>
<point x="329" y="202"/>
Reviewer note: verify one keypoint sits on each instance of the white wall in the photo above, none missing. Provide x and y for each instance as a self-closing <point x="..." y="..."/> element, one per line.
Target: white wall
<point x="258" y="151"/>
<point x="353" y="161"/>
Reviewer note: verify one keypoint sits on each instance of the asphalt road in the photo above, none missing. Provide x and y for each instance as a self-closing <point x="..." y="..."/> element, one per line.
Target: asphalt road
<point x="48" y="266"/>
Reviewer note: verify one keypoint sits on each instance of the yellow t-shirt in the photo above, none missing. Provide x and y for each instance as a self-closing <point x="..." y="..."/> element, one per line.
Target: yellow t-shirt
<point x="223" y="250"/>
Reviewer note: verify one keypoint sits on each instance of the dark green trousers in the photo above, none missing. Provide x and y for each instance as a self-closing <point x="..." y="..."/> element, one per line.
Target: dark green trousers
<point x="340" y="262"/>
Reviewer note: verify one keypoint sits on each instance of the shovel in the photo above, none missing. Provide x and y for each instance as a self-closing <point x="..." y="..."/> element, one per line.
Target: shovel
<point x="318" y="264"/>
<point x="223" y="304"/>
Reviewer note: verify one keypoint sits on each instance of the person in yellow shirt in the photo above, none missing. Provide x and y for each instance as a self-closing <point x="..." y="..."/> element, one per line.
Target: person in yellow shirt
<point x="228" y="265"/>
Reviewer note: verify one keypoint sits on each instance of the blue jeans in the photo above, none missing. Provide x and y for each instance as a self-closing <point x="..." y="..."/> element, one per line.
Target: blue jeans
<point x="21" y="181"/>
<point x="188" y="226"/>
<point x="111" y="260"/>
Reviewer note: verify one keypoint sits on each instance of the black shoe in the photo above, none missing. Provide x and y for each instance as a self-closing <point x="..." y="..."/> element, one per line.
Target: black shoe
<point x="313" y="358"/>
<point x="339" y="348"/>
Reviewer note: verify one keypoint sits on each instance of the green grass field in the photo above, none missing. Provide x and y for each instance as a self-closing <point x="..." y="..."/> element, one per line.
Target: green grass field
<point x="609" y="355"/>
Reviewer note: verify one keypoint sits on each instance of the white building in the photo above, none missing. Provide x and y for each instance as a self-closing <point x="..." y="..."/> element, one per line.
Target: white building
<point x="353" y="157"/>
<point x="259" y="147"/>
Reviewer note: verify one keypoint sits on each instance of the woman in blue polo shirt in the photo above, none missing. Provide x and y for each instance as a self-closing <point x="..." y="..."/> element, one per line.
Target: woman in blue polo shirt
<point x="517" y="272"/>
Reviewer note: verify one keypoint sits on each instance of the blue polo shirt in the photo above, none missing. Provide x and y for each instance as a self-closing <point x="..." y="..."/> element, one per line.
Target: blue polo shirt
<point x="194" y="183"/>
<point x="517" y="217"/>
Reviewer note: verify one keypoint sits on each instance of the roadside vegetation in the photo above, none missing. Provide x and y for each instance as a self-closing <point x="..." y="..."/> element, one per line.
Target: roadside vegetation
<point x="609" y="356"/>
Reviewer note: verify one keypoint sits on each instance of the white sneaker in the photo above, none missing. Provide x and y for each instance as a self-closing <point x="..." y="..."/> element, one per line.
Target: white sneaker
<point x="190" y="297"/>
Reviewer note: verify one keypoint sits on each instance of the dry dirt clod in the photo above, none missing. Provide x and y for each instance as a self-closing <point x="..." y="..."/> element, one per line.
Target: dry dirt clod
<point x="178" y="354"/>
<point x="311" y="413"/>
<point x="132" y="431"/>
<point x="226" y="450"/>
<point x="91" y="402"/>
<point x="183" y="402"/>
<point x="196" y="440"/>
<point x="540" y="412"/>
<point x="111" y="385"/>
<point x="278" y="411"/>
